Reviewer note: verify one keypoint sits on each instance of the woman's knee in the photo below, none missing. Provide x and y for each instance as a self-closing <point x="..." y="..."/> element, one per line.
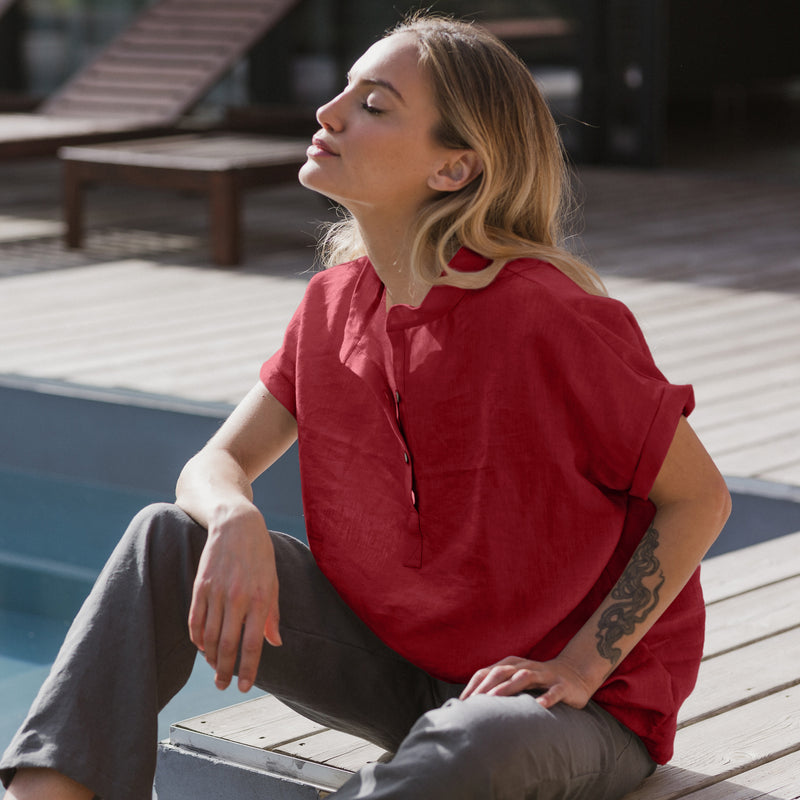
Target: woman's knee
<point x="164" y="527"/>
<point x="469" y="749"/>
<point x="161" y="542"/>
<point x="507" y="747"/>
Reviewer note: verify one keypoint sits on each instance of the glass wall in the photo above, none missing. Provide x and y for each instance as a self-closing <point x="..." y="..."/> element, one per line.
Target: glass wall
<point x="61" y="35"/>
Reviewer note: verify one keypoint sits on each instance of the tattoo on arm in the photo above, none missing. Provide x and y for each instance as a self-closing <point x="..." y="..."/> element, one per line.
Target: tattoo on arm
<point x="636" y="601"/>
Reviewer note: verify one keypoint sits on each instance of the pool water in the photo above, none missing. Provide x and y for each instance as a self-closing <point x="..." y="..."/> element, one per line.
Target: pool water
<point x="55" y="536"/>
<point x="76" y="464"/>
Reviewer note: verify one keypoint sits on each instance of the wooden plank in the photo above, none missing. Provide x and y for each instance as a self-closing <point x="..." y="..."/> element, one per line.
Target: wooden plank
<point x="127" y="72"/>
<point x="732" y="410"/>
<point x="744" y="336"/>
<point x="743" y="675"/>
<point x="335" y="748"/>
<point x="751" y="383"/>
<point x="708" y="368"/>
<point x="264" y="722"/>
<point x="203" y="152"/>
<point x="193" y="26"/>
<point x="780" y="350"/>
<point x="783" y="473"/>
<point x="751" y="616"/>
<point x="776" y="780"/>
<point x="685" y="326"/>
<point x="725" y="746"/>
<point x="741" y="571"/>
<point x="761" y="457"/>
<point x="751" y="432"/>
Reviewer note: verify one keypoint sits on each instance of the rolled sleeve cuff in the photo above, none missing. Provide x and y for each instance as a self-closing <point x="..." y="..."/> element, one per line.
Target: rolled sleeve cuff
<point x="677" y="401"/>
<point x="279" y="386"/>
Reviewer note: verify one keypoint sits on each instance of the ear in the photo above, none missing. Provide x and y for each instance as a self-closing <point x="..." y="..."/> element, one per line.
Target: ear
<point x="459" y="170"/>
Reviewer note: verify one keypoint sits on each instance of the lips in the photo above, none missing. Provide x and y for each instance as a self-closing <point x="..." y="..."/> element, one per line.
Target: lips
<point x="320" y="148"/>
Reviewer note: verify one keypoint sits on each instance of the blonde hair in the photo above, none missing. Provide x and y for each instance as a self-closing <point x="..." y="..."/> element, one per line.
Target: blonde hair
<point x="517" y="206"/>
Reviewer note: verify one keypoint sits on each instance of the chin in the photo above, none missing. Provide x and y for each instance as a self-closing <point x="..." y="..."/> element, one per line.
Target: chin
<point x="303" y="175"/>
<point x="310" y="178"/>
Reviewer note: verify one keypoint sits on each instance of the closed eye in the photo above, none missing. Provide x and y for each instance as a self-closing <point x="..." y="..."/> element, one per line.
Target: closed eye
<point x="371" y="109"/>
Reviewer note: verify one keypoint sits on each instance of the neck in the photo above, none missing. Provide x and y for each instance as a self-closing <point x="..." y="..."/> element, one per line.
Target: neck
<point x="388" y="251"/>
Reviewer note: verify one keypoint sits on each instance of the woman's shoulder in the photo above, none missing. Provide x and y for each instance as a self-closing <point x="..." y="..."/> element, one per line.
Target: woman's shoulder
<point x="336" y="284"/>
<point x="534" y="279"/>
<point x="559" y="299"/>
<point x="339" y="274"/>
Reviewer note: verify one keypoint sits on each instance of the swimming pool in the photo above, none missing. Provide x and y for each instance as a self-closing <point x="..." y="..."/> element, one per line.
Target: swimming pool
<point x="76" y="464"/>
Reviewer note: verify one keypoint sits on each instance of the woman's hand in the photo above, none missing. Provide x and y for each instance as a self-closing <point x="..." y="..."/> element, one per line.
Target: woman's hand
<point x="559" y="682"/>
<point x="235" y="597"/>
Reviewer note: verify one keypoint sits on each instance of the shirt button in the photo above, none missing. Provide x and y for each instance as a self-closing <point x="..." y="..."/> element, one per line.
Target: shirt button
<point x="405" y="457"/>
<point x="397" y="397"/>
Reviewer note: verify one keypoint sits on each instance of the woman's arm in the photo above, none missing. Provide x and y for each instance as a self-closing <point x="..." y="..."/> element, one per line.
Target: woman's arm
<point x="692" y="505"/>
<point x="235" y="597"/>
<point x="257" y="433"/>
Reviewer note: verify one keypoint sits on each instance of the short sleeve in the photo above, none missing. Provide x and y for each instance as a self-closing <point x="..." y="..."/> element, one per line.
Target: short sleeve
<point x="279" y="372"/>
<point x="622" y="410"/>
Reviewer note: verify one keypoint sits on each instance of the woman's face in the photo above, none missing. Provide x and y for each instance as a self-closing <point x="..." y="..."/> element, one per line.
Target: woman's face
<point x="375" y="151"/>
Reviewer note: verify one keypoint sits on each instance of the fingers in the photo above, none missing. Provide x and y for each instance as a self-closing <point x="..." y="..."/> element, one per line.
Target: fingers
<point x="505" y="677"/>
<point x="235" y="603"/>
<point x="272" y="628"/>
<point x="513" y="675"/>
<point x="555" y="694"/>
<point x="256" y="630"/>
<point x="250" y="655"/>
<point x="197" y="620"/>
<point x="224" y="627"/>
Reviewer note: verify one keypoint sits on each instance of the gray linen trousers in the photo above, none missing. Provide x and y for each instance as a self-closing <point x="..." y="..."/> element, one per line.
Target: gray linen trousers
<point x="128" y="652"/>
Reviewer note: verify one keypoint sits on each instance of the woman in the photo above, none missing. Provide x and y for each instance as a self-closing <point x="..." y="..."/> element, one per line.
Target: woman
<point x="505" y="503"/>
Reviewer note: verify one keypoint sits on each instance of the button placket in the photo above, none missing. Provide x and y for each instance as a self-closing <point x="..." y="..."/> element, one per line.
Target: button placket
<point x="398" y="369"/>
<point x="406" y="456"/>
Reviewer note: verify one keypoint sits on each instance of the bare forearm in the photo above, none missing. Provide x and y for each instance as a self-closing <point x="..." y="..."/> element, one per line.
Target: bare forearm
<point x="693" y="504"/>
<point x="660" y="567"/>
<point x="218" y="479"/>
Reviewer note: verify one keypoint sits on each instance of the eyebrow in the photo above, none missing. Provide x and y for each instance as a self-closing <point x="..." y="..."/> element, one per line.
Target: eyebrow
<point x="379" y="82"/>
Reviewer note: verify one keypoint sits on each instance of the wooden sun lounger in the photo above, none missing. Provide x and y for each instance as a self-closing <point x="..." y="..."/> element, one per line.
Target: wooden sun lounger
<point x="150" y="75"/>
<point x="739" y="736"/>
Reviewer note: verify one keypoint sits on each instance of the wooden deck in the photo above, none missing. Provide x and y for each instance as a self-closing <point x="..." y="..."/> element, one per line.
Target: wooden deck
<point x="710" y="264"/>
<point x="739" y="736"/>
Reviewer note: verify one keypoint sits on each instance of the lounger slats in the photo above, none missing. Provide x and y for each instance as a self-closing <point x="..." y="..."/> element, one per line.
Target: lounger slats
<point x="139" y="83"/>
<point x="168" y="59"/>
<point x="130" y="74"/>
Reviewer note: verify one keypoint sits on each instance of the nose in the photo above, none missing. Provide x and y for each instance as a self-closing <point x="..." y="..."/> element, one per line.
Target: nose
<point x="329" y="116"/>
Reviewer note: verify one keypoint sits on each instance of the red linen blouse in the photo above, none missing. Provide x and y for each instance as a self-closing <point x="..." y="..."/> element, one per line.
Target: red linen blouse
<point x="475" y="471"/>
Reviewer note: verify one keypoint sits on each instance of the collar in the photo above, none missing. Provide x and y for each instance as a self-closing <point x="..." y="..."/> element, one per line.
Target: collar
<point x="368" y="298"/>
<point x="439" y="300"/>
